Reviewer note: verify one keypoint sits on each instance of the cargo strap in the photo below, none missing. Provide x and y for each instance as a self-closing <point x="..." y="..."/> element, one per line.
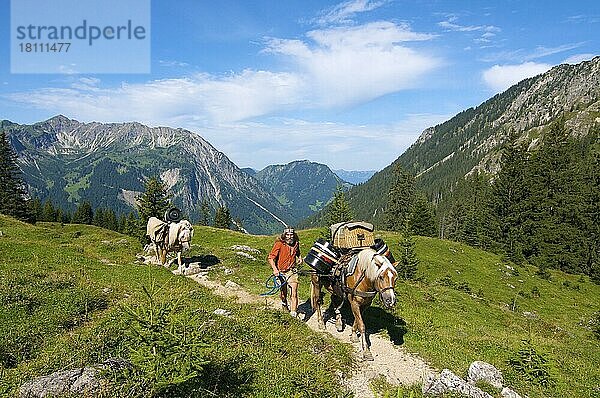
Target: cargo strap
<point x="358" y="293"/>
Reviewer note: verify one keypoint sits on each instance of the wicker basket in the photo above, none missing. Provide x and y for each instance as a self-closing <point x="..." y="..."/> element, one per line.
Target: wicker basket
<point x="353" y="234"/>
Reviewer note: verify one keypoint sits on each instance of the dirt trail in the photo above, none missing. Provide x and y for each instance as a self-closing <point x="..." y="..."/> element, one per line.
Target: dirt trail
<point x="394" y="363"/>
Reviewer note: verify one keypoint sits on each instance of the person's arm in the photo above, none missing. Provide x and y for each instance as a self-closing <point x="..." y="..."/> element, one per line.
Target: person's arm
<point x="298" y="256"/>
<point x="272" y="256"/>
<point x="272" y="264"/>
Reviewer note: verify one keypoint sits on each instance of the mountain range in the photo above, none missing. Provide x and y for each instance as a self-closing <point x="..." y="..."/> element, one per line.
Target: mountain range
<point x="472" y="140"/>
<point x="302" y="187"/>
<point x="355" y="177"/>
<point x="67" y="162"/>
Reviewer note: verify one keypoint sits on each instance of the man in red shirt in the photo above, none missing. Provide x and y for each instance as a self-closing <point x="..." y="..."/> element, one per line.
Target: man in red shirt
<point x="283" y="258"/>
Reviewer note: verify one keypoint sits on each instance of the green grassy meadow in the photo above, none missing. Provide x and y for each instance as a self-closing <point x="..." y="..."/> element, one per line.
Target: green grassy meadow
<point x="466" y="305"/>
<point x="72" y="295"/>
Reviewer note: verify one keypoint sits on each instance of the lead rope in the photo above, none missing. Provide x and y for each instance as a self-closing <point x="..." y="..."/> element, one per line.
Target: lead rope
<point x="274" y="284"/>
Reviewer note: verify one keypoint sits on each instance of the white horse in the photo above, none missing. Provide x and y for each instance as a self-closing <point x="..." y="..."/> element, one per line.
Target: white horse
<point x="169" y="237"/>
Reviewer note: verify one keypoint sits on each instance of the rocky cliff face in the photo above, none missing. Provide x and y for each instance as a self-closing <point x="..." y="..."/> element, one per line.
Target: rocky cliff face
<point x="68" y="161"/>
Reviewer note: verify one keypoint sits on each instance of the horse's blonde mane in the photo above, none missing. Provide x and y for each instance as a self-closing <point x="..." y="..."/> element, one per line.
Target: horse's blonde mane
<point x="368" y="260"/>
<point x="366" y="263"/>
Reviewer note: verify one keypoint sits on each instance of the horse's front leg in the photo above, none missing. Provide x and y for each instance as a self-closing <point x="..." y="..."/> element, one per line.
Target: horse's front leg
<point x="163" y="256"/>
<point x="315" y="299"/>
<point x="180" y="263"/>
<point x="360" y="325"/>
<point x="156" y="251"/>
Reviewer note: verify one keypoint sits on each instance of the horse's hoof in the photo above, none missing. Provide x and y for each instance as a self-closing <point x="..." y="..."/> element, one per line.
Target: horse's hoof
<point x="339" y="327"/>
<point x="321" y="326"/>
<point x="367" y="356"/>
<point x="354" y="338"/>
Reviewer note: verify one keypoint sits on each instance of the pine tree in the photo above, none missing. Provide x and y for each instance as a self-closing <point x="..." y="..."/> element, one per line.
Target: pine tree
<point x="339" y="209"/>
<point x="83" y="214"/>
<point x="407" y="260"/>
<point x="110" y="220"/>
<point x="13" y="196"/>
<point x="131" y="225"/>
<point x="122" y="223"/>
<point x="154" y="201"/>
<point x="422" y="218"/>
<point x="99" y="218"/>
<point x="399" y="200"/>
<point x="60" y="214"/>
<point x="48" y="212"/>
<point x="510" y="197"/>
<point x="222" y="218"/>
<point x="67" y="218"/>
<point x="557" y="200"/>
<point x="35" y="208"/>
<point x="205" y="213"/>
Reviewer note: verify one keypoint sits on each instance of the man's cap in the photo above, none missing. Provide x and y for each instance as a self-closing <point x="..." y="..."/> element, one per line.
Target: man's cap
<point x="288" y="231"/>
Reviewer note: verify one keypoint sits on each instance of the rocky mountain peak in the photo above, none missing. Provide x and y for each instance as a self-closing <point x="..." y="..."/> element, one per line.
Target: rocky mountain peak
<point x="106" y="163"/>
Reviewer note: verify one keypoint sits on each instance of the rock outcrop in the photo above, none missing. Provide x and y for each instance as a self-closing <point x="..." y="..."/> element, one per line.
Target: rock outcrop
<point x="84" y="381"/>
<point x="448" y="381"/>
<point x="483" y="371"/>
<point x="478" y="372"/>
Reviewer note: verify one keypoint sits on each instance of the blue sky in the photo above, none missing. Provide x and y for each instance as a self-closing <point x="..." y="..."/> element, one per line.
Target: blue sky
<point x="349" y="84"/>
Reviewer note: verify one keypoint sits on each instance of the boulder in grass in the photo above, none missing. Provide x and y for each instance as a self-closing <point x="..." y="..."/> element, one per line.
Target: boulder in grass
<point x="508" y="393"/>
<point x="84" y="381"/>
<point x="483" y="371"/>
<point x="448" y="381"/>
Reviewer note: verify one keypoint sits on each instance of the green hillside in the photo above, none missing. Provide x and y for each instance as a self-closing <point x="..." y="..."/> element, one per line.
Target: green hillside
<point x="467" y="305"/>
<point x="65" y="297"/>
<point x="72" y="296"/>
<point x="472" y="140"/>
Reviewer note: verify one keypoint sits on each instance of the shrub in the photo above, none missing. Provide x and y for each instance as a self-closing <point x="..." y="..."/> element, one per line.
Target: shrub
<point x="166" y="343"/>
<point x="531" y="365"/>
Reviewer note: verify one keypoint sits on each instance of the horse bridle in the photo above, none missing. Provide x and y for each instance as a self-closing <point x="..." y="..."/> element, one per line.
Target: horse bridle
<point x="355" y="292"/>
<point x="381" y="270"/>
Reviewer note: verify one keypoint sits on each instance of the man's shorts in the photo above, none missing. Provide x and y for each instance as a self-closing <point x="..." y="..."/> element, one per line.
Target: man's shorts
<point x="291" y="275"/>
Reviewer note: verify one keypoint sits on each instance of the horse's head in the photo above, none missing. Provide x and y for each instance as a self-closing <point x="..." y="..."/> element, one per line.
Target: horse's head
<point x="181" y="233"/>
<point x="186" y="233"/>
<point x="385" y="279"/>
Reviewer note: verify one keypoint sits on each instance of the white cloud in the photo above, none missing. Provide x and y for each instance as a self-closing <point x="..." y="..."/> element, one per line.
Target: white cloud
<point x="356" y="64"/>
<point x="577" y="58"/>
<point x="201" y="97"/>
<point x="501" y="77"/>
<point x="343" y="12"/>
<point x="451" y="25"/>
<point x="522" y="55"/>
<point x="173" y="63"/>
<point x="334" y="68"/>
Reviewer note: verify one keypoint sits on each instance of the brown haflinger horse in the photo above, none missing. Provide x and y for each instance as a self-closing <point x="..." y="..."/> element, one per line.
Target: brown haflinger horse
<point x="373" y="274"/>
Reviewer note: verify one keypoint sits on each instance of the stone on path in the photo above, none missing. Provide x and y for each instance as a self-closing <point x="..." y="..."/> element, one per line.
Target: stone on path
<point x="508" y="393"/>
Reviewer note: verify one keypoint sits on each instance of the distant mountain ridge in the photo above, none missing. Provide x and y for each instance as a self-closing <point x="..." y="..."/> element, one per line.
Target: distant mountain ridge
<point x="302" y="187"/>
<point x="354" y="177"/>
<point x="68" y="161"/>
<point x="470" y="141"/>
